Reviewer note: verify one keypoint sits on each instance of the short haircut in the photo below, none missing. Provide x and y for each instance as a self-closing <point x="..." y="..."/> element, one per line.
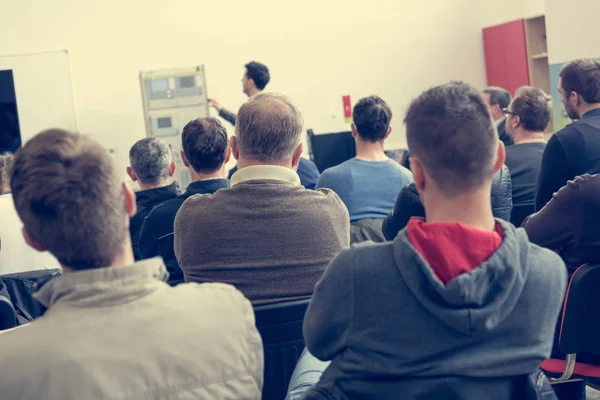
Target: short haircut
<point x="450" y="129"/>
<point x="498" y="96"/>
<point x="372" y="118"/>
<point x="532" y="105"/>
<point x="268" y="127"/>
<point x="150" y="158"/>
<point x="5" y="160"/>
<point x="68" y="195"/>
<point x="259" y="73"/>
<point x="204" y="142"/>
<point x="582" y="76"/>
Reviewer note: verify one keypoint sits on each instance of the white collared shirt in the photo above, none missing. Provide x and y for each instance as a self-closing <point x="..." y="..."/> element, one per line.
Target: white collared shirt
<point x="265" y="172"/>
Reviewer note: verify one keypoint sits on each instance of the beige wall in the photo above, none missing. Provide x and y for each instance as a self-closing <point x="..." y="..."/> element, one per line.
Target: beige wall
<point x="318" y="50"/>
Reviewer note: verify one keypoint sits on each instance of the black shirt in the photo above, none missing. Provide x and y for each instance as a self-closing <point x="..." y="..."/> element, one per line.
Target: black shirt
<point x="146" y="200"/>
<point x="573" y="151"/>
<point x="156" y="236"/>
<point x="524" y="162"/>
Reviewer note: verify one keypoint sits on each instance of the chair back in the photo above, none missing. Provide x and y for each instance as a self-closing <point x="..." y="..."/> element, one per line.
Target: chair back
<point x="580" y="325"/>
<point x="8" y="317"/>
<point x="280" y="326"/>
<point x="520" y="212"/>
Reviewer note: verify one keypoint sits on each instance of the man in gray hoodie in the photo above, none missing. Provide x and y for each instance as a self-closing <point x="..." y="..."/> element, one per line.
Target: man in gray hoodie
<point x="458" y="294"/>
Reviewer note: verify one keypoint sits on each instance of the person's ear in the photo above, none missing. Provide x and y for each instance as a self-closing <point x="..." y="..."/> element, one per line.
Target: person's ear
<point x="130" y="205"/>
<point x="416" y="167"/>
<point x="185" y="160"/>
<point x="297" y="155"/>
<point x="388" y="132"/>
<point x="227" y="155"/>
<point x="172" y="169"/>
<point x="34" y="244"/>
<point x="515" y="121"/>
<point x="234" y="147"/>
<point x="575" y="99"/>
<point x="132" y="174"/>
<point x="354" y="130"/>
<point x="501" y="157"/>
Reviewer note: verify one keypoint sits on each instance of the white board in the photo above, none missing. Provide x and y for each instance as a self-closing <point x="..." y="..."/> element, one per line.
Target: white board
<point x="43" y="90"/>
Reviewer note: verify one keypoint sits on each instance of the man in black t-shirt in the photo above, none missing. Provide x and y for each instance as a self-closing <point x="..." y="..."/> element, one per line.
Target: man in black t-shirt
<point x="526" y="118"/>
<point x="575" y="150"/>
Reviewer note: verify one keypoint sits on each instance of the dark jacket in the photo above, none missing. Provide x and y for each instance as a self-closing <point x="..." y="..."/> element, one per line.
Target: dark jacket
<point x="502" y="135"/>
<point x="156" y="236"/>
<point x="409" y="204"/>
<point x="573" y="151"/>
<point x="146" y="200"/>
<point x="307" y="171"/>
<point x="227" y="116"/>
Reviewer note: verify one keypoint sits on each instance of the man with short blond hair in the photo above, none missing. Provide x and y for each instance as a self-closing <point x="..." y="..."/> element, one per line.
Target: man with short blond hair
<point x="267" y="235"/>
<point x="113" y="328"/>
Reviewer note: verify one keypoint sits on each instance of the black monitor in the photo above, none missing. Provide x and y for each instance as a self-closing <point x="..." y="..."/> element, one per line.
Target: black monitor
<point x="10" y="131"/>
<point x="330" y="149"/>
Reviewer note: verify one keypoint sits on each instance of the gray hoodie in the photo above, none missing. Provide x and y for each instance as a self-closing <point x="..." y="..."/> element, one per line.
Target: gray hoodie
<point x="379" y="313"/>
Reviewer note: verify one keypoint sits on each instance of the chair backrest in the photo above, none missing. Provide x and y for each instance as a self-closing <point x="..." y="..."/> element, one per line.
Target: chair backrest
<point x="580" y="325"/>
<point x="8" y="317"/>
<point x="330" y="149"/>
<point x="367" y="229"/>
<point x="520" y="212"/>
<point x="280" y="326"/>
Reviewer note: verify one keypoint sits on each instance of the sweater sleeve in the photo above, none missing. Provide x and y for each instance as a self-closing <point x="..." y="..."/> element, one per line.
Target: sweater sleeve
<point x="227" y="116"/>
<point x="555" y="226"/>
<point x="329" y="318"/>
<point x="148" y="243"/>
<point x="554" y="172"/>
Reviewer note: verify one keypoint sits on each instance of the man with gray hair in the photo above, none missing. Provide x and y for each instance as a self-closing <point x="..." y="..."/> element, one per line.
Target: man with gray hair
<point x="152" y="168"/>
<point x="267" y="235"/>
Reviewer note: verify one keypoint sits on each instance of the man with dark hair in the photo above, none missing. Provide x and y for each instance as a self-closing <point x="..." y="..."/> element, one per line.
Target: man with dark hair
<point x="254" y="81"/>
<point x="113" y="328"/>
<point x="267" y="235"/>
<point x="575" y="150"/>
<point x="152" y="168"/>
<point x="456" y="287"/>
<point x="205" y="152"/>
<point x="497" y="100"/>
<point x="526" y="119"/>
<point x="370" y="182"/>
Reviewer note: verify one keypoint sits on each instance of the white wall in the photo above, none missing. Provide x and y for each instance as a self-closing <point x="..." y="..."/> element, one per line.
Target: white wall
<point x="571" y="28"/>
<point x="317" y="51"/>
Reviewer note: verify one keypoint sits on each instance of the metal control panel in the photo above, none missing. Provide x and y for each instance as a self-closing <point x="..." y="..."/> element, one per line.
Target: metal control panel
<point x="172" y="98"/>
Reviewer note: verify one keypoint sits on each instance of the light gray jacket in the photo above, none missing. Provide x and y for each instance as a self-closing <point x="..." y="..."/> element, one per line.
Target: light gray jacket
<point x="122" y="333"/>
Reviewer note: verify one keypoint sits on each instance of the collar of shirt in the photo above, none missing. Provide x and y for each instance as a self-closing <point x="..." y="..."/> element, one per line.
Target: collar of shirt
<point x="501" y="120"/>
<point x="104" y="286"/>
<point x="591" y="113"/>
<point x="265" y="172"/>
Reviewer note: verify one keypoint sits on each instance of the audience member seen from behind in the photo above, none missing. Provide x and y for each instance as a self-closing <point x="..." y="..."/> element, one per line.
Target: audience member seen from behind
<point x="267" y="235"/>
<point x="497" y="100"/>
<point x="526" y="119"/>
<point x="369" y="183"/>
<point x="574" y="150"/>
<point x="568" y="224"/>
<point x="15" y="255"/>
<point x="152" y="168"/>
<point x="113" y="328"/>
<point x="466" y="287"/>
<point x="205" y="152"/>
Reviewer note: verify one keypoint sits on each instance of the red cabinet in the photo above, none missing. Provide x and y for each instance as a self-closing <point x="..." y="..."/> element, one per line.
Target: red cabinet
<point x="506" y="59"/>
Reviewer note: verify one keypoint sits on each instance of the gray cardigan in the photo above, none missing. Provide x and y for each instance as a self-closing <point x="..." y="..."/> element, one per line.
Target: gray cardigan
<point x="380" y="314"/>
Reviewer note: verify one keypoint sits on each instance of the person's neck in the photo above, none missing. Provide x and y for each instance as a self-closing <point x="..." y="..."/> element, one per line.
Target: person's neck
<point x="201" y="176"/>
<point x="586" y="108"/>
<point x="125" y="257"/>
<point x="370" y="151"/>
<point x="244" y="162"/>
<point x="253" y="92"/>
<point x="4" y="189"/>
<point x="473" y="209"/>
<point x="521" y="137"/>
<point x="144" y="186"/>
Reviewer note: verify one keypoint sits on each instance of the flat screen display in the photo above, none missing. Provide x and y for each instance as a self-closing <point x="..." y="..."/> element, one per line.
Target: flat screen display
<point x="10" y="131"/>
<point x="164" y="122"/>
<point x="159" y="85"/>
<point x="186" y="82"/>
